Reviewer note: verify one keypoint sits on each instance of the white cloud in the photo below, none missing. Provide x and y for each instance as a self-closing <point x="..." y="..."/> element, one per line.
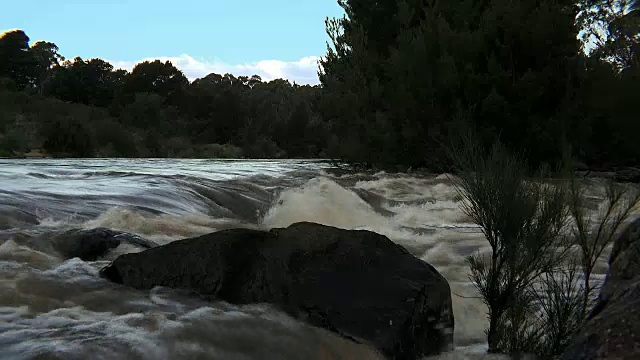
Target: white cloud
<point x="303" y="71"/>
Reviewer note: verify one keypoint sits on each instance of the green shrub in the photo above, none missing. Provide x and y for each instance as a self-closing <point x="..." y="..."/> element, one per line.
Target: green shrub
<point x="529" y="282"/>
<point x="522" y="218"/>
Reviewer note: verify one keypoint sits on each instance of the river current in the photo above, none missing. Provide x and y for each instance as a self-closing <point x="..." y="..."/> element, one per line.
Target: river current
<point x="52" y="308"/>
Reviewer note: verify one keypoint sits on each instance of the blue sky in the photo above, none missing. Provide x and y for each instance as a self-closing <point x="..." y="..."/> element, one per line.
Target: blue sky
<point x="273" y="38"/>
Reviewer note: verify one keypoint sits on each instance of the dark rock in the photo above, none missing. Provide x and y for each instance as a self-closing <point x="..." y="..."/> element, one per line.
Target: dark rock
<point x="89" y="245"/>
<point x="358" y="284"/>
<point x="613" y="328"/>
<point x="628" y="174"/>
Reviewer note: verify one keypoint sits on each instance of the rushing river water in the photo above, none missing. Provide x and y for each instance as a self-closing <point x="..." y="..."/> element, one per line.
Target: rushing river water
<point x="56" y="309"/>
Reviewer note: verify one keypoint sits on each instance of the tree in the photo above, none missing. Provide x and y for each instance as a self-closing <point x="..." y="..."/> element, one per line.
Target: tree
<point x="217" y="105"/>
<point x="611" y="36"/>
<point x="157" y="77"/>
<point x="610" y="30"/>
<point x="90" y="82"/>
<point x="394" y="84"/>
<point x="97" y="106"/>
<point x="295" y="134"/>
<point x="16" y="61"/>
<point x="46" y="58"/>
<point x="148" y="112"/>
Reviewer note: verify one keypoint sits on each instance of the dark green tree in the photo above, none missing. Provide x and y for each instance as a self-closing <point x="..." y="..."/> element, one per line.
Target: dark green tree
<point x="91" y="82"/>
<point x="148" y="112"/>
<point x="16" y="61"/>
<point x="295" y="131"/>
<point x="605" y="110"/>
<point x="395" y="85"/>
<point x="46" y="58"/>
<point x="101" y="111"/>
<point x="216" y="103"/>
<point x="157" y="77"/>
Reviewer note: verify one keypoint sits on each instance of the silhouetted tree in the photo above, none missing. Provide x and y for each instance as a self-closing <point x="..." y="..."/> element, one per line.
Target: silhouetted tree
<point x="394" y="84"/>
<point x="157" y="77"/>
<point x="46" y="58"/>
<point x="16" y="61"/>
<point x="90" y="82"/>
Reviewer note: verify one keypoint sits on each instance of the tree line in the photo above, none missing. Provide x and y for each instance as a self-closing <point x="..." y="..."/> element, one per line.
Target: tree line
<point x="86" y="108"/>
<point x="400" y="79"/>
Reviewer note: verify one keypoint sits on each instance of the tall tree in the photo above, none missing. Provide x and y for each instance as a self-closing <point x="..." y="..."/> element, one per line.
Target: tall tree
<point x="16" y="61"/>
<point x="607" y="108"/>
<point x="394" y="84"/>
<point x="46" y="58"/>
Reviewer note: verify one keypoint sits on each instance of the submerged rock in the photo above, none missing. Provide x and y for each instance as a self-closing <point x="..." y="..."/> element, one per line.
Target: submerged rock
<point x="89" y="245"/>
<point x="613" y="328"/>
<point x="358" y="284"/>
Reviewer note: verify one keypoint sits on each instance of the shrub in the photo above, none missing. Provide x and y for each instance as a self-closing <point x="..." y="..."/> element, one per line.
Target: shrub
<point x="68" y="137"/>
<point x="522" y="219"/>
<point x="537" y="295"/>
<point x="558" y="310"/>
<point x="593" y="236"/>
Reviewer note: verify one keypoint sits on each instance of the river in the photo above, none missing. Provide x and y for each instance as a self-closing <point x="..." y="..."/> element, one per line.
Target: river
<point x="56" y="309"/>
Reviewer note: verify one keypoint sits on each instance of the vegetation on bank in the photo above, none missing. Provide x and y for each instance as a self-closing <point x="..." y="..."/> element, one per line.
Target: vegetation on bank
<point x="398" y="80"/>
<point x="404" y="76"/>
<point x="86" y="108"/>
<point x="537" y="279"/>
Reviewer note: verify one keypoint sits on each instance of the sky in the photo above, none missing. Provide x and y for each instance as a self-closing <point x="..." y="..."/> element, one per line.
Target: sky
<point x="270" y="38"/>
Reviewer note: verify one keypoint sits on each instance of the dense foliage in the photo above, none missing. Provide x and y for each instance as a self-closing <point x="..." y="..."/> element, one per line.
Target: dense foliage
<point x="87" y="108"/>
<point x="401" y="77"/>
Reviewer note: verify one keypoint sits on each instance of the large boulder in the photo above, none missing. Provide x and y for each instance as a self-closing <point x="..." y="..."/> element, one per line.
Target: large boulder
<point x="358" y="284"/>
<point x="613" y="328"/>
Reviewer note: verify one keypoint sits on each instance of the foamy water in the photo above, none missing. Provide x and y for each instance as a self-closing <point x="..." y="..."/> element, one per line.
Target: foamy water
<point x="52" y="308"/>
